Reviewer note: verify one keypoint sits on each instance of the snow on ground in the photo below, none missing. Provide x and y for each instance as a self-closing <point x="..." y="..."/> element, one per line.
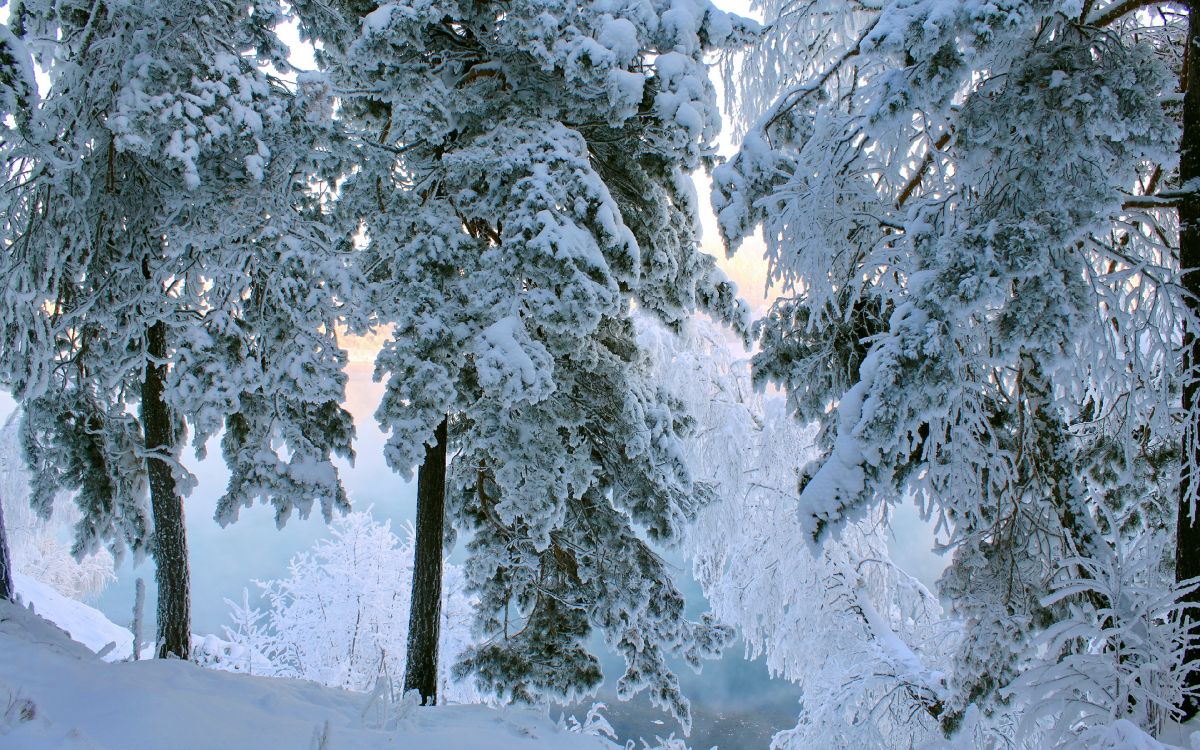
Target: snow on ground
<point x="59" y="694"/>
<point x="56" y="694"/>
<point x="83" y="623"/>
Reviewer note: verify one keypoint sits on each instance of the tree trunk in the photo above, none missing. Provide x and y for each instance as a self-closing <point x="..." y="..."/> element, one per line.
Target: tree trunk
<point x="425" y="615"/>
<point x="170" y="540"/>
<point x="1187" y="547"/>
<point x="7" y="590"/>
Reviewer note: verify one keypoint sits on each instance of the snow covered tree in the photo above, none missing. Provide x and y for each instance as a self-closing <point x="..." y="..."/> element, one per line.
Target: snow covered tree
<point x="164" y="250"/>
<point x="340" y="617"/>
<point x="17" y="89"/>
<point x="1187" y="543"/>
<point x="523" y="185"/>
<point x="979" y="308"/>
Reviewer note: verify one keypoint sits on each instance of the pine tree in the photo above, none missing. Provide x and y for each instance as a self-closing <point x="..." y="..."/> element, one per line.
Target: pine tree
<point x="1187" y="540"/>
<point x="978" y="302"/>
<point x="17" y="86"/>
<point x="164" y="250"/>
<point x="522" y="185"/>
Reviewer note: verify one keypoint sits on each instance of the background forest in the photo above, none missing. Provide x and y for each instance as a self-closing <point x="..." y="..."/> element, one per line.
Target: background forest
<point x="979" y="227"/>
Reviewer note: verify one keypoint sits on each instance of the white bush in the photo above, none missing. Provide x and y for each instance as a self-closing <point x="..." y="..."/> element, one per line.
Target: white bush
<point x="341" y="616"/>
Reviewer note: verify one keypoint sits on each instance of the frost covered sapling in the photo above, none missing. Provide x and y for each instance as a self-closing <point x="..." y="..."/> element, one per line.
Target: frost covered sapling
<point x="340" y="617"/>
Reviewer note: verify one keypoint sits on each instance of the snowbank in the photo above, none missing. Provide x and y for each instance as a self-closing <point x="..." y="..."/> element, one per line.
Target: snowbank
<point x="55" y="694"/>
<point x="81" y="622"/>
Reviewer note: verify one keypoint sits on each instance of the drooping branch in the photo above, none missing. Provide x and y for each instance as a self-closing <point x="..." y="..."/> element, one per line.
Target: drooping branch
<point x="1119" y="10"/>
<point x="1160" y="200"/>
<point x="910" y="670"/>
<point x="790" y="100"/>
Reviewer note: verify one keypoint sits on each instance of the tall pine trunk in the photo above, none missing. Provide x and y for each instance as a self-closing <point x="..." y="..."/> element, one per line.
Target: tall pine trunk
<point x="7" y="590"/>
<point x="425" y="615"/>
<point x="170" y="539"/>
<point x="1187" y="547"/>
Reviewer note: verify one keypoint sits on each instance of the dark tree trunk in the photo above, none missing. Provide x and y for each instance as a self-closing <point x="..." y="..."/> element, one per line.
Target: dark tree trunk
<point x="1187" y="547"/>
<point x="425" y="616"/>
<point x="170" y="539"/>
<point x="7" y="591"/>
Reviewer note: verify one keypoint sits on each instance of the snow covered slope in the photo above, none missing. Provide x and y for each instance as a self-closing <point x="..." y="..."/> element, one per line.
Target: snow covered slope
<point x="55" y="694"/>
<point x="83" y="623"/>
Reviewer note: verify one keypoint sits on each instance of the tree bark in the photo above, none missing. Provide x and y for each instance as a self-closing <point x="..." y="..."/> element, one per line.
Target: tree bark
<point x="166" y="505"/>
<point x="7" y="590"/>
<point x="425" y="614"/>
<point x="1187" y="547"/>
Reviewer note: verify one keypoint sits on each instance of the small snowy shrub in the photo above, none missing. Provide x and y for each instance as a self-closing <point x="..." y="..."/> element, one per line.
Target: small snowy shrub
<point x="594" y="723"/>
<point x="341" y="616"/>
<point x="17" y="710"/>
<point x="228" y="656"/>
